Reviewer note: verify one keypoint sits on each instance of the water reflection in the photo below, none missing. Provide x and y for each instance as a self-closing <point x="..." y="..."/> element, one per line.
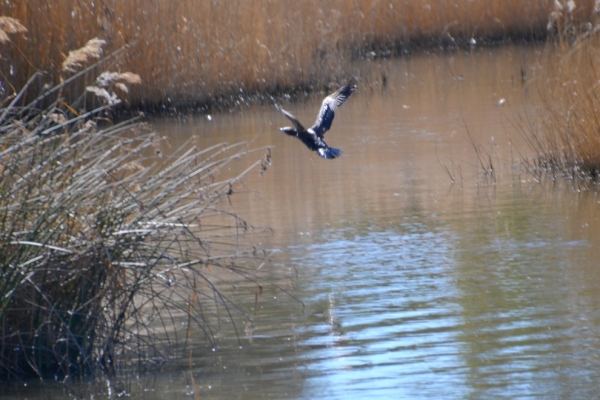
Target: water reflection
<point x="389" y="314"/>
<point x="523" y="332"/>
<point x="413" y="287"/>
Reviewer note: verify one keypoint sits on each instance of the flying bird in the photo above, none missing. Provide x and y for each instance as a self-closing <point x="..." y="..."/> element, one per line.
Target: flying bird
<point x="313" y="136"/>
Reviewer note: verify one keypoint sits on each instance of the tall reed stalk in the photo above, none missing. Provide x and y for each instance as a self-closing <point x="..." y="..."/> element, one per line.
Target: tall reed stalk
<point x="105" y="243"/>
<point x="190" y="52"/>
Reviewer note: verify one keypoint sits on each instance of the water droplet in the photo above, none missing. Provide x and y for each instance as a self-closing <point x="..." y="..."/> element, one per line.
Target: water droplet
<point x="189" y="391"/>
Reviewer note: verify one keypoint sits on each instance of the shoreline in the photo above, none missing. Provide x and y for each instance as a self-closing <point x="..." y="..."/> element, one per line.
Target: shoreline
<point x="192" y="55"/>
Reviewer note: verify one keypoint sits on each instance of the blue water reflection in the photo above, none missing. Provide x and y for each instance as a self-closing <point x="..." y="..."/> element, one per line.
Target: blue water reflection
<point x="428" y="310"/>
<point x="388" y="314"/>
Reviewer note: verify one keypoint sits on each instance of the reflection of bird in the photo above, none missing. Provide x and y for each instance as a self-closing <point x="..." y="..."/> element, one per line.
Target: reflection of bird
<point x="313" y="136"/>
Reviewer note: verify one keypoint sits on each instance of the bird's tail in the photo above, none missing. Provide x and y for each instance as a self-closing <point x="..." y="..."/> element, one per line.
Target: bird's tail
<point x="329" y="152"/>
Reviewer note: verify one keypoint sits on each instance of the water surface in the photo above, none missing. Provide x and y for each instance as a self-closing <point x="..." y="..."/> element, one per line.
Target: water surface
<point x="413" y="286"/>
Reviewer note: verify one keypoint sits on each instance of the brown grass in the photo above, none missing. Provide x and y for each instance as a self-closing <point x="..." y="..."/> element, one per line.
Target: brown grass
<point x="107" y="245"/>
<point x="191" y="51"/>
<point x="567" y="137"/>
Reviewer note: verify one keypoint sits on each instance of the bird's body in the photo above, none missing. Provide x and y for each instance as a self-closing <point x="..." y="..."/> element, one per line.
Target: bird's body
<point x="313" y="136"/>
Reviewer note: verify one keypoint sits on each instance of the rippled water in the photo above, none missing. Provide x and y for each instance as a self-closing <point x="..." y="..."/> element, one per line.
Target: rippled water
<point x="413" y="287"/>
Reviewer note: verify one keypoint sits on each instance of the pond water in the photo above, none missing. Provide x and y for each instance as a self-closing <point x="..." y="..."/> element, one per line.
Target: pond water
<point x="413" y="286"/>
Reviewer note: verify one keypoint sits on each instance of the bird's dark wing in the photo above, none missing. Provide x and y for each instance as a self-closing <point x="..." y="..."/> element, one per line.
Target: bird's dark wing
<point x="328" y="107"/>
<point x="291" y="117"/>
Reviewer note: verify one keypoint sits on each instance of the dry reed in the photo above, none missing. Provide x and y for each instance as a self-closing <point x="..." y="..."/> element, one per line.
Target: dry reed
<point x="567" y="137"/>
<point x="192" y="51"/>
<point x="105" y="244"/>
<point x="9" y="25"/>
<point x="92" y="49"/>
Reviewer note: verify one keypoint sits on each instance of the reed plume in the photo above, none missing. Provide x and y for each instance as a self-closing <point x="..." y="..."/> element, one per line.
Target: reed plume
<point x="76" y="58"/>
<point x="8" y="26"/>
<point x="107" y="81"/>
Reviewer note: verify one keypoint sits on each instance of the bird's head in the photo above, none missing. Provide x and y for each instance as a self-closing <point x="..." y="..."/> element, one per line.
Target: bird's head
<point x="288" y="130"/>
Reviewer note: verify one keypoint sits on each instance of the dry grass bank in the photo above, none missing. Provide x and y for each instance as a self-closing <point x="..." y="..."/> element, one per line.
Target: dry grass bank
<point x="106" y="246"/>
<point x="194" y="50"/>
<point x="565" y="132"/>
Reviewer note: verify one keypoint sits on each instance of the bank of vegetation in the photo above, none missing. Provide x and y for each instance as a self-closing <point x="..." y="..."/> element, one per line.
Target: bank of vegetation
<point x="565" y="131"/>
<point x="196" y="52"/>
<point x="107" y="246"/>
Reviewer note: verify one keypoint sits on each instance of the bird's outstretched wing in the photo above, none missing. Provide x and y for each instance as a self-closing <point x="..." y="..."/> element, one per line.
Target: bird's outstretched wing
<point x="328" y="107"/>
<point x="292" y="118"/>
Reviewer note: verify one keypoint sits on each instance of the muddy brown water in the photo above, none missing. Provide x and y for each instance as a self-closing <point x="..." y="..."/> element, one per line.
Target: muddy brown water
<point x="414" y="286"/>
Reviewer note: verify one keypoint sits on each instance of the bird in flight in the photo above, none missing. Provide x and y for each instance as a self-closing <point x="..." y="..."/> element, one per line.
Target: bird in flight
<point x="313" y="136"/>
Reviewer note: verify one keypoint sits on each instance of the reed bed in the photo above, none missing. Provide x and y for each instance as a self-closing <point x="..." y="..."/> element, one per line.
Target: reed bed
<point x="194" y="52"/>
<point x="107" y="245"/>
<point x="564" y="133"/>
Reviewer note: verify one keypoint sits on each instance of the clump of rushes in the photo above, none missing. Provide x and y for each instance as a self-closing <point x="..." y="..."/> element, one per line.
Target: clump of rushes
<point x="104" y="242"/>
<point x="567" y="141"/>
